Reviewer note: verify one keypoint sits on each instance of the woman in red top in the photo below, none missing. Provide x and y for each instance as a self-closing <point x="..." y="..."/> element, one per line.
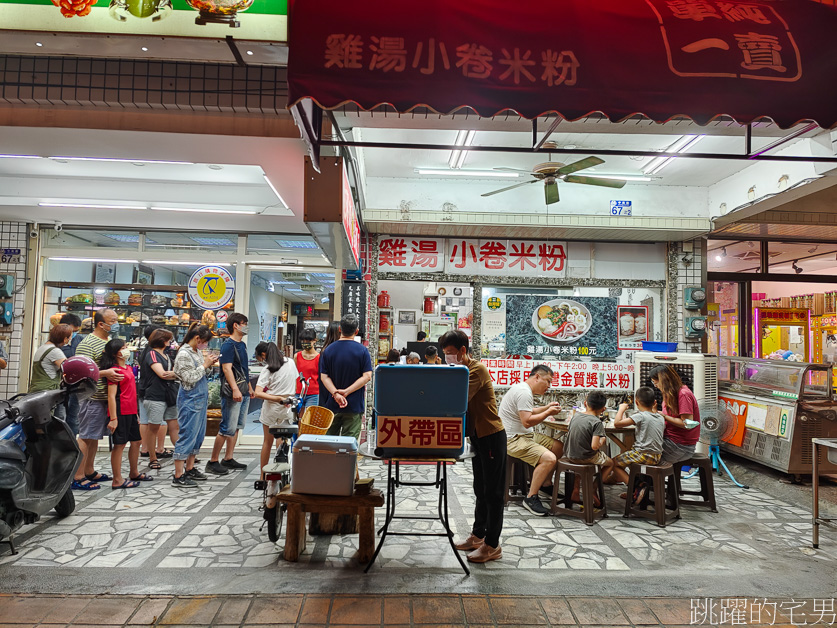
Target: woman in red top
<point x="679" y="407"/>
<point x="123" y="410"/>
<point x="308" y="365"/>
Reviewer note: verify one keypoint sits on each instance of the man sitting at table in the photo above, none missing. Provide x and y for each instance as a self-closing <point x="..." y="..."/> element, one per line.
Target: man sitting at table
<point x="648" y="446"/>
<point x="519" y="418"/>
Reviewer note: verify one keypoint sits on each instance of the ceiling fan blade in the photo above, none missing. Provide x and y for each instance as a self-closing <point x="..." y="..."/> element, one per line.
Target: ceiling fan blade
<point x="550" y="189"/>
<point x="511" y="187"/>
<point x="513" y="170"/>
<point x="605" y="183"/>
<point x="587" y="162"/>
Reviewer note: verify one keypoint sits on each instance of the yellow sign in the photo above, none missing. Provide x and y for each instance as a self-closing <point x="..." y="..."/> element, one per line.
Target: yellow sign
<point x="211" y="287"/>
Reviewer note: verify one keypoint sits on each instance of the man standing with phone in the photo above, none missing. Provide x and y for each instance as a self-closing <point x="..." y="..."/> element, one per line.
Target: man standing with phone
<point x="235" y="372"/>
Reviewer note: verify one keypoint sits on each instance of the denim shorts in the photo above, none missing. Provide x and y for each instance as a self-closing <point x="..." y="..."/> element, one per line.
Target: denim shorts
<point x="92" y="419"/>
<point x="157" y="412"/>
<point x="233" y="415"/>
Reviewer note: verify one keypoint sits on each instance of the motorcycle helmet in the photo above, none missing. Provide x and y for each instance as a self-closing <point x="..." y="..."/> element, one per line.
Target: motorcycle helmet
<point x="82" y="373"/>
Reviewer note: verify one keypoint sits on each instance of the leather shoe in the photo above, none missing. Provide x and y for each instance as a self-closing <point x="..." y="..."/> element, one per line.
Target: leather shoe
<point x="484" y="553"/>
<point x="470" y="544"/>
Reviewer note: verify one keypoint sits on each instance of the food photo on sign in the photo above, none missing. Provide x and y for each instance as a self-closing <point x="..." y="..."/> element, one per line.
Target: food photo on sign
<point x="565" y="326"/>
<point x="633" y="326"/>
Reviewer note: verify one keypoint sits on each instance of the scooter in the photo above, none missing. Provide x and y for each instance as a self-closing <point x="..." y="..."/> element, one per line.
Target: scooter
<point x="277" y="475"/>
<point x="39" y="457"/>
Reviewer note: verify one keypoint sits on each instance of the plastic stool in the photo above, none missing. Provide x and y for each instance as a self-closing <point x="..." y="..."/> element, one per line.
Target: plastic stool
<point x="591" y="483"/>
<point x="707" y="486"/>
<point x="664" y="489"/>
<point x="518" y="477"/>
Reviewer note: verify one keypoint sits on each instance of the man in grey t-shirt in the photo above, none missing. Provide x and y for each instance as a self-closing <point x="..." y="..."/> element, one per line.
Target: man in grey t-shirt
<point x="519" y="418"/>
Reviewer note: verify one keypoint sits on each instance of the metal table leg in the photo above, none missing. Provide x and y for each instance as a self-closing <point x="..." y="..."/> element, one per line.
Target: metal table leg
<point x="815" y="533"/>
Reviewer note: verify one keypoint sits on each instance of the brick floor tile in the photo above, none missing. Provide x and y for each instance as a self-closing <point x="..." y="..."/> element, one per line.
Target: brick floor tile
<point x="274" y="609"/>
<point x="27" y="610"/>
<point x="637" y="612"/>
<point x="477" y="610"/>
<point x="396" y="610"/>
<point x="670" y="611"/>
<point x="67" y="611"/>
<point x="598" y="611"/>
<point x="557" y="611"/>
<point x="433" y="610"/>
<point x="356" y="610"/>
<point x="108" y="611"/>
<point x="517" y="610"/>
<point x="315" y="610"/>
<point x="150" y="611"/>
<point x="191" y="610"/>
<point x="233" y="611"/>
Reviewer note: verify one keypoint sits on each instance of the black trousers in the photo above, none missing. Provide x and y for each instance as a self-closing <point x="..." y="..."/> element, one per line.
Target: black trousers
<point x="489" y="484"/>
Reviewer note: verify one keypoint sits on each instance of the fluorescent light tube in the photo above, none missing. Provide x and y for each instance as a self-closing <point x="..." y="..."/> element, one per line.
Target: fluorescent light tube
<point x="20" y="157"/>
<point x="94" y="259"/>
<point x="202" y="211"/>
<point x="276" y="192"/>
<point x="680" y="146"/>
<point x="126" y="161"/>
<point x="457" y="157"/>
<point x="467" y="173"/>
<point x="166" y="262"/>
<point x="90" y="206"/>
<point x="619" y="177"/>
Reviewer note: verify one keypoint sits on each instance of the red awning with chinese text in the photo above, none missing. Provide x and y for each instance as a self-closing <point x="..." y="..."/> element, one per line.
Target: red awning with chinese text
<point x="660" y="58"/>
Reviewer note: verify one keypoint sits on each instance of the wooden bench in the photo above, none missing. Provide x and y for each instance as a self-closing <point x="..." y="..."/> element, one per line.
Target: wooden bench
<point x="361" y="505"/>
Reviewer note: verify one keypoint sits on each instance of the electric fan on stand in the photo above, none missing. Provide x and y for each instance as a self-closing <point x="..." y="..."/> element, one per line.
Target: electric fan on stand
<point x="717" y="424"/>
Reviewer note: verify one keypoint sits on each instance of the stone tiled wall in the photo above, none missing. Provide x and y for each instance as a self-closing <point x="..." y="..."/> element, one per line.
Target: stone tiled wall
<point x="686" y="267"/>
<point x="14" y="235"/>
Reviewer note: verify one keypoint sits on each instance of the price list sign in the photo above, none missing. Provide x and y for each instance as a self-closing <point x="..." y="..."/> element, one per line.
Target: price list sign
<point x="354" y="302"/>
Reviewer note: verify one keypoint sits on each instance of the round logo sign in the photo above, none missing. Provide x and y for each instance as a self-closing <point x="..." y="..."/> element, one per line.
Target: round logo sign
<point x="221" y="317"/>
<point x="494" y="303"/>
<point x="211" y="287"/>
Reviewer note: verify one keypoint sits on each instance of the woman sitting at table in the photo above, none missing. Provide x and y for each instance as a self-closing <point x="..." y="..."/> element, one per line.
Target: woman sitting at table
<point x="679" y="407"/>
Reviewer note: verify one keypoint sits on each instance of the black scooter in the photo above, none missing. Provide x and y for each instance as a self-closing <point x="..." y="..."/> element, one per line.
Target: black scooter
<point x="39" y="457"/>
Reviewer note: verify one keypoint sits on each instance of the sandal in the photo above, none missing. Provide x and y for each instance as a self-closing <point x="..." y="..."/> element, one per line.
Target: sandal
<point x="98" y="477"/>
<point x="143" y="477"/>
<point x="164" y="454"/>
<point x="144" y="454"/>
<point x="84" y="485"/>
<point x="154" y="464"/>
<point x="126" y="484"/>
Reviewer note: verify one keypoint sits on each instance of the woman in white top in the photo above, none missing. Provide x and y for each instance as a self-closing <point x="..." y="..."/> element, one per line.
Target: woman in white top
<point x="47" y="362"/>
<point x="276" y="383"/>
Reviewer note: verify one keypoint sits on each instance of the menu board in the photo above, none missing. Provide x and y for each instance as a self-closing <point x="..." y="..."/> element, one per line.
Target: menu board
<point x="539" y="325"/>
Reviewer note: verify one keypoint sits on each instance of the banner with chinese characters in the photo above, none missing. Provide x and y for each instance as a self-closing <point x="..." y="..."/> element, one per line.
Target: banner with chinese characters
<point x="354" y="302"/>
<point x="538" y="325"/>
<point x="500" y="258"/>
<point x="420" y="433"/>
<point x="574" y="375"/>
<point x="662" y="58"/>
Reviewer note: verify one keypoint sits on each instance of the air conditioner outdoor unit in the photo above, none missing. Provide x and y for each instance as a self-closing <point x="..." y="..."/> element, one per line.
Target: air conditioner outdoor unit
<point x="698" y="371"/>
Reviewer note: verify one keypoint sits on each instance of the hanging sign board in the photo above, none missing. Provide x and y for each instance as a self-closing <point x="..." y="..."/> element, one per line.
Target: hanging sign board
<point x="354" y="302"/>
<point x="574" y="375"/>
<point x="211" y="287"/>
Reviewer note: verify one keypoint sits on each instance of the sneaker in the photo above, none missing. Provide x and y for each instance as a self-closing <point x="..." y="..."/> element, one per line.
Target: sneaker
<point x="184" y="481"/>
<point x="533" y="504"/>
<point x="546" y="494"/>
<point x="232" y="464"/>
<point x="216" y="468"/>
<point x="196" y="475"/>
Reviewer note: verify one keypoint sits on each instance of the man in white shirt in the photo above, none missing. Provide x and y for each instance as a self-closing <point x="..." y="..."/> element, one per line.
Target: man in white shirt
<point x="519" y="418"/>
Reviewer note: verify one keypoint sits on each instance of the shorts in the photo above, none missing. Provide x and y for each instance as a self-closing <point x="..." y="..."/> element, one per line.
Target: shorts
<point x="636" y="456"/>
<point x="157" y="412"/>
<point x="529" y="447"/>
<point x="127" y="430"/>
<point x="93" y="419"/>
<point x="233" y="415"/>
<point x="599" y="457"/>
<point x="674" y="452"/>
<point x="346" y="424"/>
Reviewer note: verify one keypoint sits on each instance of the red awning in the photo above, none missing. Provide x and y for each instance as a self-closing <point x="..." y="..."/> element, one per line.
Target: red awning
<point x="660" y="58"/>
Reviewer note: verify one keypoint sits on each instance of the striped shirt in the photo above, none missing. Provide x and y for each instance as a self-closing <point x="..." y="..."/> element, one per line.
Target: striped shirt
<point x="93" y="347"/>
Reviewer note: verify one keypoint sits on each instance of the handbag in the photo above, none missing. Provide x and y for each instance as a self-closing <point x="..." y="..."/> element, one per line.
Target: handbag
<point x="240" y="380"/>
<point x="172" y="388"/>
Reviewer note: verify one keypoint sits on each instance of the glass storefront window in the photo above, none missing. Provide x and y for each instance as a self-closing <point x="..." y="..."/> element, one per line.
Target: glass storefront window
<point x="198" y="242"/>
<point x="88" y="238"/>
<point x="802" y="258"/>
<point x="278" y="244"/>
<point x="729" y="256"/>
<point x="723" y="318"/>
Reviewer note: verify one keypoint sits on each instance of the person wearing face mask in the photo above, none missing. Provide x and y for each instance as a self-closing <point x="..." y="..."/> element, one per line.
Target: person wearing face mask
<point x="190" y="368"/>
<point x="488" y="440"/>
<point x="158" y="391"/>
<point x="308" y="365"/>
<point x="93" y="412"/>
<point x="69" y="349"/>
<point x="123" y="419"/>
<point x="234" y="408"/>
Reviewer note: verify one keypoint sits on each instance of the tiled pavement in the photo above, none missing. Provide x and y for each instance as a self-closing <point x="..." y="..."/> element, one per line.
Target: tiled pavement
<point x="393" y="610"/>
<point x="161" y="540"/>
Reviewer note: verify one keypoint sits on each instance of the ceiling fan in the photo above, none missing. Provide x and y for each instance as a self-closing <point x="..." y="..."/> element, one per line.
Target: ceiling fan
<point x="552" y="171"/>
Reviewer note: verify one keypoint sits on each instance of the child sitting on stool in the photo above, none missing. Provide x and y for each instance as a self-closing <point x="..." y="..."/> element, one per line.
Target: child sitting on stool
<point x="648" y="443"/>
<point x="585" y="439"/>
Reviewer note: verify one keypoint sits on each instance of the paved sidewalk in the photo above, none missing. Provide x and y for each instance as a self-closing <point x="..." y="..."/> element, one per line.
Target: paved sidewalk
<point x="399" y="610"/>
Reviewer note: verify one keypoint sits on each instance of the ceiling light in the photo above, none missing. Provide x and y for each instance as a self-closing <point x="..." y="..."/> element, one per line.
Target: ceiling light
<point x="276" y="192"/>
<point x="213" y="241"/>
<point x="167" y="262"/>
<point x="129" y="161"/>
<point x="571" y="146"/>
<point x="680" y="146"/>
<point x="20" y="157"/>
<point x="457" y="157"/>
<point x="99" y="291"/>
<point x="619" y="177"/>
<point x="90" y="206"/>
<point x="297" y="244"/>
<point x="441" y="172"/>
<point x="751" y="193"/>
<point x="783" y="182"/>
<point x="796" y="268"/>
<point x="202" y="211"/>
<point x="249" y="53"/>
<point x="719" y="257"/>
<point x="144" y="49"/>
<point x="94" y="259"/>
<point x="39" y="44"/>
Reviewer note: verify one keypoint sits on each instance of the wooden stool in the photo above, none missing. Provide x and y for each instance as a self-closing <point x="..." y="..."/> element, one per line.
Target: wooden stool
<point x="518" y="477"/>
<point x="591" y="482"/>
<point x="361" y="505"/>
<point x="707" y="487"/>
<point x="663" y="491"/>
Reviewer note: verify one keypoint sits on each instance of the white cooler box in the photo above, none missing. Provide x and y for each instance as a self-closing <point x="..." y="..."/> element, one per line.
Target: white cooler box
<point x="324" y="465"/>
